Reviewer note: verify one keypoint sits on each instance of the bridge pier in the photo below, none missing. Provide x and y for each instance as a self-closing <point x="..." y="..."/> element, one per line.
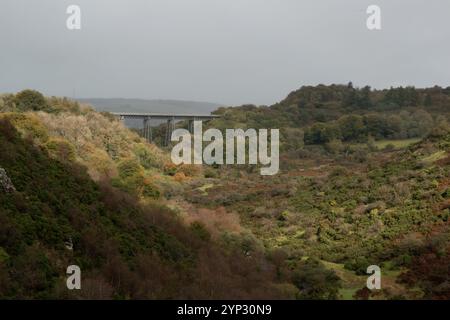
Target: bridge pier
<point x="191" y="125"/>
<point x="170" y="128"/>
<point x="147" y="130"/>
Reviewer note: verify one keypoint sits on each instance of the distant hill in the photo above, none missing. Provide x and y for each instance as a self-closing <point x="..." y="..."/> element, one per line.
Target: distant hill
<point x="158" y="106"/>
<point x="323" y="114"/>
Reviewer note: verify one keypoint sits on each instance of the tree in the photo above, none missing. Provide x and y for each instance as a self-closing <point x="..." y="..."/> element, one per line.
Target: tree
<point x="402" y="97"/>
<point x="364" y="100"/>
<point x="293" y="138"/>
<point x="315" y="282"/>
<point x="441" y="127"/>
<point x="428" y="100"/>
<point x="352" y="128"/>
<point x="30" y="100"/>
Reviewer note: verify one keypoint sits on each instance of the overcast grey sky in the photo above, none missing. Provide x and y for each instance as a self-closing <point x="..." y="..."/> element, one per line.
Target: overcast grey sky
<point x="226" y="51"/>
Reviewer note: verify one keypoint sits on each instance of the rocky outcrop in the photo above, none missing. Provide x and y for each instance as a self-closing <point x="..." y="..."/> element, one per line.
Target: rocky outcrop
<point x="5" y="182"/>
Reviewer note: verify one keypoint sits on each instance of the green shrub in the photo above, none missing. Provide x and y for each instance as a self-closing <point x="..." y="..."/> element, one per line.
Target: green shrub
<point x="315" y="282"/>
<point x="28" y="125"/>
<point x="200" y="231"/>
<point x="146" y="158"/>
<point x="359" y="265"/>
<point x="129" y="168"/>
<point x="4" y="257"/>
<point x="149" y="190"/>
<point x="61" y="149"/>
<point x="30" y="100"/>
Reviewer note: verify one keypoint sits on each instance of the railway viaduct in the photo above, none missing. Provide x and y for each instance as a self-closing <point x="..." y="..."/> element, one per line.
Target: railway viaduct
<point x="170" y="119"/>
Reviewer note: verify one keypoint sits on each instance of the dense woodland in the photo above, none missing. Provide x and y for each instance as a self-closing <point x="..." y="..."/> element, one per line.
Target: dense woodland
<point x="364" y="180"/>
<point x="342" y="113"/>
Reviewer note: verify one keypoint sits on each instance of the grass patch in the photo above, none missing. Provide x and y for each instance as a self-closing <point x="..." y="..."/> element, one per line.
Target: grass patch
<point x="204" y="189"/>
<point x="347" y="293"/>
<point x="435" y="157"/>
<point x="350" y="281"/>
<point x="398" y="144"/>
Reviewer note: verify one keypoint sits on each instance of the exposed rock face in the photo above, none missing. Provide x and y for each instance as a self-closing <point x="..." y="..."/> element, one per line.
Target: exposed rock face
<point x="5" y="182"/>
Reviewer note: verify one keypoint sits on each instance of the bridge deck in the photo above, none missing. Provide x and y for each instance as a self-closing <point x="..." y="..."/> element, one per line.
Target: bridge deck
<point x="165" y="116"/>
